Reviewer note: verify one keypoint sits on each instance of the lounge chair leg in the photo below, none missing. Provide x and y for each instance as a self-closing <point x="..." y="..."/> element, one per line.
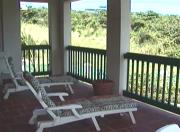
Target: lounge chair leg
<point x="33" y="120"/>
<point x="121" y="114"/>
<point x="62" y="98"/>
<point x="40" y="129"/>
<point x="96" y="124"/>
<point x="8" y="93"/>
<point x="36" y="113"/>
<point x="69" y="86"/>
<point x="132" y="117"/>
<point x="5" y="89"/>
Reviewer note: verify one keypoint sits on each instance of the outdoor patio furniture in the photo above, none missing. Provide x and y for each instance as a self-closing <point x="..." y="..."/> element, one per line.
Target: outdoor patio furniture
<point x="17" y="80"/>
<point x="65" y="80"/>
<point x="18" y="83"/>
<point x="69" y="112"/>
<point x="169" y="128"/>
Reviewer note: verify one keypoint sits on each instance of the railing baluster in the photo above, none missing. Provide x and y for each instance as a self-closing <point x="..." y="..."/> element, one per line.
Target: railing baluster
<point x="137" y="76"/>
<point x="104" y="66"/>
<point x="132" y="76"/>
<point x="86" y="65"/>
<point x="98" y="66"/>
<point x="170" y="84"/>
<point x="128" y="69"/>
<point x="142" y="74"/>
<point x="83" y="58"/>
<point x="81" y="63"/>
<point x="158" y="82"/>
<point x="147" y="79"/>
<point x="101" y="68"/>
<point x="29" y="58"/>
<point x="38" y="61"/>
<point x="34" y="67"/>
<point x="47" y="63"/>
<point x="177" y="87"/>
<point x="69" y="61"/>
<point x="24" y="53"/>
<point x="73" y="64"/>
<point x="79" y="66"/>
<point x="152" y="80"/>
<point x="77" y="63"/>
<point x="164" y="83"/>
<point x="92" y="66"/>
<point x="43" y="59"/>
<point x="95" y="67"/>
<point x="89" y="65"/>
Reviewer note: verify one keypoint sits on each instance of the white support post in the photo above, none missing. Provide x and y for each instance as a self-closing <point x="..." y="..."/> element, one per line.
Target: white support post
<point x="118" y="28"/>
<point x="1" y="27"/>
<point x="11" y="31"/>
<point x="60" y="34"/>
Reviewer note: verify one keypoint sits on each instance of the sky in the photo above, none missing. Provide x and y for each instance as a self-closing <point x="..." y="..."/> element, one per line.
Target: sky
<point x="160" y="6"/>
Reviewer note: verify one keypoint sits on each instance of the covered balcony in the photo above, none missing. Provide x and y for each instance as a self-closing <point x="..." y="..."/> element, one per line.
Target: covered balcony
<point x="150" y="79"/>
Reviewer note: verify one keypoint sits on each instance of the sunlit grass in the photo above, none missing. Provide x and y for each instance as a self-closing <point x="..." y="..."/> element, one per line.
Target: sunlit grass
<point x="41" y="36"/>
<point x="92" y="41"/>
<point x="39" y="33"/>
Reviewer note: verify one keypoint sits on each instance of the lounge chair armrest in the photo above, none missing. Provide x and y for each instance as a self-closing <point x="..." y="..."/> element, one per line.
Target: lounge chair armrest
<point x="19" y="73"/>
<point x="55" y="84"/>
<point x="18" y="78"/>
<point x="66" y="107"/>
<point x="59" y="94"/>
<point x="71" y="107"/>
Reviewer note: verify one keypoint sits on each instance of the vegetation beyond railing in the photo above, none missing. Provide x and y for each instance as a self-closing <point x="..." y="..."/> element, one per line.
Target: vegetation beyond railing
<point x="154" y="80"/>
<point x="36" y="59"/>
<point x="87" y="64"/>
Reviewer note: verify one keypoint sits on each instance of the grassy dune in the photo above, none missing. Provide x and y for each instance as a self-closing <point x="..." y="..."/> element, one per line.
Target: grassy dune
<point x="41" y="36"/>
<point x="39" y="33"/>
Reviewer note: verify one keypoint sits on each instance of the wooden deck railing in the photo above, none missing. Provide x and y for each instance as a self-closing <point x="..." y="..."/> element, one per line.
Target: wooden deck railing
<point x="36" y="59"/>
<point x="87" y="64"/>
<point x="154" y="80"/>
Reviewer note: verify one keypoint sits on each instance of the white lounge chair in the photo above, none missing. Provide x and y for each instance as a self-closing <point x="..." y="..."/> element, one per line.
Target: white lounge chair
<point x="86" y="109"/>
<point x="18" y="84"/>
<point x="65" y="80"/>
<point x="17" y="80"/>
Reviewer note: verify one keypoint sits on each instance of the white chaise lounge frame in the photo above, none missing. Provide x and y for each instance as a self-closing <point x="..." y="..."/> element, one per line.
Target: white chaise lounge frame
<point x="57" y="120"/>
<point x="8" y="89"/>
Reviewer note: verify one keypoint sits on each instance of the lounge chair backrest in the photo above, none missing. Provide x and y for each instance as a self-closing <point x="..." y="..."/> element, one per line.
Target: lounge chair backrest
<point x="40" y="94"/>
<point x="3" y="67"/>
<point x="11" y="65"/>
<point x="18" y="82"/>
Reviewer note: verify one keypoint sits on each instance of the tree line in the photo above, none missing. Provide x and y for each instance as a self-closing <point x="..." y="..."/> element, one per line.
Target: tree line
<point x="151" y="33"/>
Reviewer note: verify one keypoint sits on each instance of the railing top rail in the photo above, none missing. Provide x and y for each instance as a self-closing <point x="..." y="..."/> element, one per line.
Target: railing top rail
<point x="153" y="58"/>
<point x="92" y="50"/>
<point x="26" y="47"/>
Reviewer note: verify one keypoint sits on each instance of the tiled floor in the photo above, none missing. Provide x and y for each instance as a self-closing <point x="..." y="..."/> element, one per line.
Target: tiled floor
<point x="17" y="110"/>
